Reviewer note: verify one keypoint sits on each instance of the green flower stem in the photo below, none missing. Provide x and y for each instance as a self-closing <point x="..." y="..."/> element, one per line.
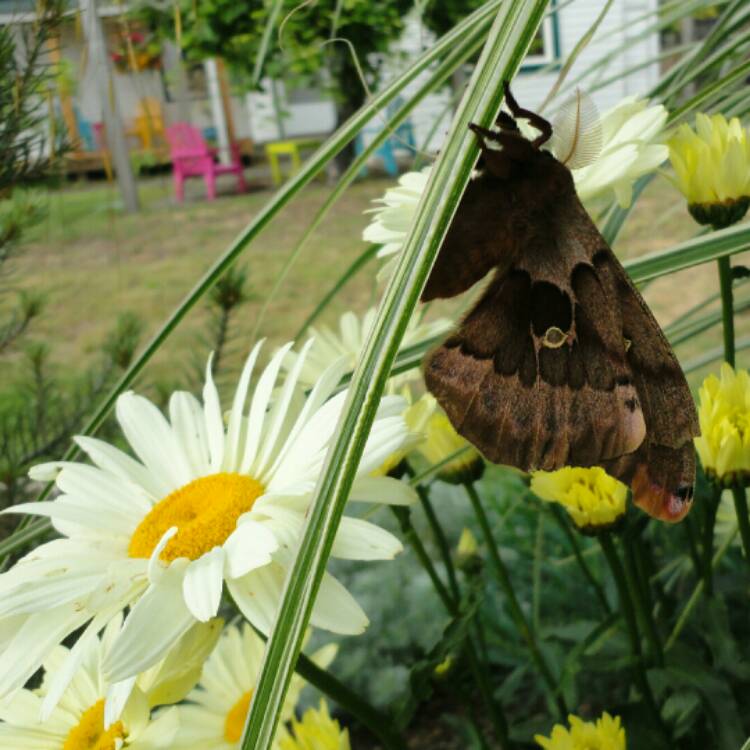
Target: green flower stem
<point x="442" y="542"/>
<point x="639" y="596"/>
<point x="481" y="677"/>
<point x="708" y="539"/>
<point x="740" y="505"/>
<point x="410" y="535"/>
<point x="687" y="524"/>
<point x="628" y="612"/>
<point x="451" y="607"/>
<point x="559" y="515"/>
<point x="697" y="591"/>
<point x="519" y="619"/>
<point x="727" y="307"/>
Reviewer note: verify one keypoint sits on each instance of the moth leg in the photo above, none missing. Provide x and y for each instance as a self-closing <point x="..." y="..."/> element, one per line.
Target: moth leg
<point x="542" y="125"/>
<point x="505" y="122"/>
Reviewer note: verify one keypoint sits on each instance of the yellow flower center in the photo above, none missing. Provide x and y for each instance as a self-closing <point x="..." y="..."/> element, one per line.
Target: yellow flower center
<point x="89" y="733"/>
<point x="205" y="512"/>
<point x="235" y="721"/>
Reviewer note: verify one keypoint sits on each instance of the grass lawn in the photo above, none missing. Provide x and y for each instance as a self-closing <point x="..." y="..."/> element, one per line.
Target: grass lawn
<point x="93" y="262"/>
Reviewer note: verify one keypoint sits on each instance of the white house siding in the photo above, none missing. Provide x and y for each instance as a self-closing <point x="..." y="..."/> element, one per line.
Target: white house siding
<point x="253" y="113"/>
<point x="621" y="27"/>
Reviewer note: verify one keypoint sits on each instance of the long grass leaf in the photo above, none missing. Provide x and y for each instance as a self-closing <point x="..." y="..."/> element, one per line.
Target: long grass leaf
<point x="515" y="25"/>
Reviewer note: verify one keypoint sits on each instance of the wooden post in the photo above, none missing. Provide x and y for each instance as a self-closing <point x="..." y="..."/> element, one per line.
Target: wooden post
<point x="115" y="132"/>
<point x="66" y="103"/>
<point x="172" y="59"/>
<point x="217" y="108"/>
<point x="226" y="101"/>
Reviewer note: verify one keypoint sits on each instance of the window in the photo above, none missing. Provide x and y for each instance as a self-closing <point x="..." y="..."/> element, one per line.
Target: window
<point x="545" y="47"/>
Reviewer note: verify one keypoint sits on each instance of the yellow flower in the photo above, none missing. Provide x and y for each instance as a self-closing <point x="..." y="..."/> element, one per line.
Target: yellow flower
<point x="592" y="498"/>
<point x="724" y="414"/>
<point x="712" y="168"/>
<point x="316" y="731"/>
<point x="441" y="442"/>
<point x="606" y="734"/>
<point x="416" y="416"/>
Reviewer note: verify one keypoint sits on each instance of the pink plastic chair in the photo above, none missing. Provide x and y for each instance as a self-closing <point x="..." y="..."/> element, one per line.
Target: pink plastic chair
<point x="192" y="157"/>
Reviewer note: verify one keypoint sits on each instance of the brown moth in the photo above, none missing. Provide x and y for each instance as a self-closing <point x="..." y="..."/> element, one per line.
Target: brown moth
<point x="560" y="362"/>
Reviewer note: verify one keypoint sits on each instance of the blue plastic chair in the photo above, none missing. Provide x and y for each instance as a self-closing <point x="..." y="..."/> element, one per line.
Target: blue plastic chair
<point x="85" y="131"/>
<point x="402" y="140"/>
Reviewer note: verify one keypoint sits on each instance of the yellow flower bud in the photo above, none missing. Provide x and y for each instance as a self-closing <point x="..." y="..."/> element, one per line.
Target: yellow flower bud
<point x="316" y="731"/>
<point x="441" y="442"/>
<point x="724" y="413"/>
<point x="605" y="734"/>
<point x="712" y="169"/>
<point x="592" y="498"/>
<point x="467" y="544"/>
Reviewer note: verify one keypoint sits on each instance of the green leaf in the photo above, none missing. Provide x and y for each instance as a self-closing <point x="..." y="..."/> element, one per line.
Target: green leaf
<point x="693" y="252"/>
<point x="512" y="32"/>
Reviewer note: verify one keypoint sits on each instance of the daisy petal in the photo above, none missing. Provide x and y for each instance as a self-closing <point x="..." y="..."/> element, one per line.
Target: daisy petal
<point x="202" y="584"/>
<point x="151" y="437"/>
<point x="280" y="407"/>
<point x="188" y="423"/>
<point x="34" y="639"/>
<point x="117" y="697"/>
<point x="258" y="407"/>
<point x="335" y="609"/>
<point x="214" y="422"/>
<point x="155" y="622"/>
<point x="232" y="451"/>
<point x="360" y="540"/>
<point x="385" y="490"/>
<point x="250" y="546"/>
<point x="113" y="460"/>
<point x="258" y="594"/>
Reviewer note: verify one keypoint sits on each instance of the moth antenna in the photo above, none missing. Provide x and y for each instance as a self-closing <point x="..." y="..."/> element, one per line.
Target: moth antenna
<point x="542" y="125"/>
<point x="577" y="132"/>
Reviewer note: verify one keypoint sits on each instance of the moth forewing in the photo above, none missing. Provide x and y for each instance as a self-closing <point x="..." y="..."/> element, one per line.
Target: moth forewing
<point x="560" y="362"/>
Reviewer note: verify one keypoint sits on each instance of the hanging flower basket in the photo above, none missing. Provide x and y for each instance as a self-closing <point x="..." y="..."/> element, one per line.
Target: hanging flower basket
<point x="135" y="51"/>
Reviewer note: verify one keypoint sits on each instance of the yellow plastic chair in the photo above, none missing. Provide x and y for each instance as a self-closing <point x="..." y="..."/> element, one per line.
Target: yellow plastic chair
<point x="290" y="148"/>
<point x="282" y="148"/>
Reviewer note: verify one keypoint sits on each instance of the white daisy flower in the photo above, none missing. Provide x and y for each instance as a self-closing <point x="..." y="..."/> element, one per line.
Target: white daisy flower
<point x="205" y="503"/>
<point x="392" y="220"/>
<point x="80" y="721"/>
<point x="215" y="715"/>
<point x="632" y="145"/>
<point x="349" y="340"/>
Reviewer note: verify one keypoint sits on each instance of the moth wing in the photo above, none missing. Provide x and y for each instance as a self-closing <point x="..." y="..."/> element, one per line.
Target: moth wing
<point x="523" y="397"/>
<point x="475" y="242"/>
<point x="662" y="471"/>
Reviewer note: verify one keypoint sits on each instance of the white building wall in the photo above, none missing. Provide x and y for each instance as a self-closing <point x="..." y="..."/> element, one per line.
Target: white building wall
<point x="254" y="114"/>
<point x="621" y="28"/>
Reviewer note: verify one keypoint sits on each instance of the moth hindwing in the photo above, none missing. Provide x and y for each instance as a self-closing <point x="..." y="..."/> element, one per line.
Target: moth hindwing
<point x="560" y="362"/>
